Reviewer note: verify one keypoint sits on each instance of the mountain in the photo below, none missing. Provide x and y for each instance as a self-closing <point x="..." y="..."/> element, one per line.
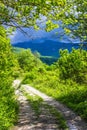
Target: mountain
<point x="46" y="47"/>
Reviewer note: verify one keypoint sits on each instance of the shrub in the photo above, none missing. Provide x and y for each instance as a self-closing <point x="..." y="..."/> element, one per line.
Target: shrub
<point x="73" y="65"/>
<point x="8" y="104"/>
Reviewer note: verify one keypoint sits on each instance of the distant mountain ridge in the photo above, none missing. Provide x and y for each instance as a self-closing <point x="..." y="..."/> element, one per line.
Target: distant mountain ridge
<point x="45" y="47"/>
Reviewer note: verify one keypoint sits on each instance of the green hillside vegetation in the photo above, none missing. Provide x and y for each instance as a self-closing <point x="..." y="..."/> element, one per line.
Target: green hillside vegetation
<point x="45" y="59"/>
<point x="65" y="80"/>
<point x="8" y="69"/>
<point x="48" y="59"/>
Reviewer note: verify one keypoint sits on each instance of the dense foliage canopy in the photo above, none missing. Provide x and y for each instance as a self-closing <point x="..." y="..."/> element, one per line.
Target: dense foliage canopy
<point x="25" y="13"/>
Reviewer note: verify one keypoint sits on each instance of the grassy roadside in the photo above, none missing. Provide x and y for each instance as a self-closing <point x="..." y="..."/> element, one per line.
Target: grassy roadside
<point x="73" y="95"/>
<point x="38" y="104"/>
<point x="70" y="93"/>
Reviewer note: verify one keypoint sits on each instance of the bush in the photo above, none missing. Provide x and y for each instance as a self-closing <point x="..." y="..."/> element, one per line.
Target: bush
<point x="73" y="65"/>
<point x="8" y="104"/>
<point x="27" y="60"/>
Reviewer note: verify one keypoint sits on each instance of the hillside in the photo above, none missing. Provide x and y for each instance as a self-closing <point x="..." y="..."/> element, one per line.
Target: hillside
<point x="46" y="47"/>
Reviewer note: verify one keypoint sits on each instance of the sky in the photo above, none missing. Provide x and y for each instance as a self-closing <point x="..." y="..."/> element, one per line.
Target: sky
<point x="19" y="36"/>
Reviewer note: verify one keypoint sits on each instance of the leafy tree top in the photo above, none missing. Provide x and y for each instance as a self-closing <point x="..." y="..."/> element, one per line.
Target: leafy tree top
<point x="24" y="13"/>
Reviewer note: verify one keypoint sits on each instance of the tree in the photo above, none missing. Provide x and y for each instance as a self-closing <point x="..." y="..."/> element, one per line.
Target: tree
<point x="76" y="19"/>
<point x="28" y="61"/>
<point x="24" y="13"/>
<point x="73" y="65"/>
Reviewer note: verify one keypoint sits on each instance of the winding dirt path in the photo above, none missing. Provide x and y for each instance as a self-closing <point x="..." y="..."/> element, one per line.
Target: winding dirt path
<point x="74" y="122"/>
<point x="27" y="118"/>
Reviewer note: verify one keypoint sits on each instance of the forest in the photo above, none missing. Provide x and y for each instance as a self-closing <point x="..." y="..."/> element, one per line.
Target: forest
<point x="65" y="79"/>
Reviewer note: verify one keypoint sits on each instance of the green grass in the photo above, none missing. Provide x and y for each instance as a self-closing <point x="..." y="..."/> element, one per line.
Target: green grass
<point x="59" y="117"/>
<point x="37" y="103"/>
<point x="34" y="101"/>
<point x="9" y="108"/>
<point x="72" y="94"/>
<point x="8" y="113"/>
